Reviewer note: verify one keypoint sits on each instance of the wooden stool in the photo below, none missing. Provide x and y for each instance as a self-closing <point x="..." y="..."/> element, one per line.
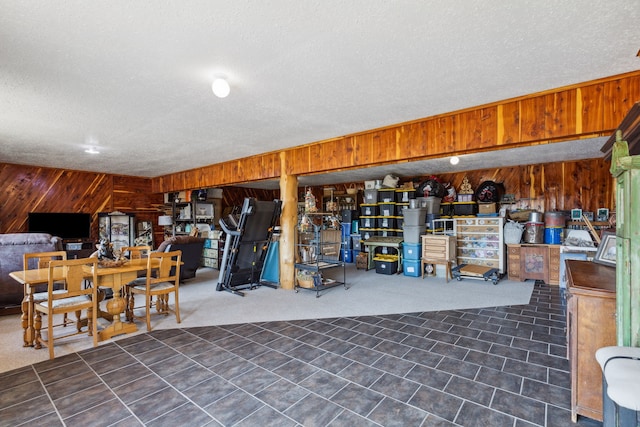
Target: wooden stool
<point x="447" y="266"/>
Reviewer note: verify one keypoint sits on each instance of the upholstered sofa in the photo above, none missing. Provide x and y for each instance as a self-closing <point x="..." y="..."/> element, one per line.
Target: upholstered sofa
<point x="191" y="248"/>
<point x="12" y="248"/>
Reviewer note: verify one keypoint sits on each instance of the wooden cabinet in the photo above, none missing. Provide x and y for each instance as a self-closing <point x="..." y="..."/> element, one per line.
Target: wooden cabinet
<point x="591" y="324"/>
<point x="480" y="241"/>
<point x="438" y="249"/>
<point x="534" y="261"/>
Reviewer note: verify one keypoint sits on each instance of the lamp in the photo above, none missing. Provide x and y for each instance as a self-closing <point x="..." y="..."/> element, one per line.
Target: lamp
<point x="220" y="87"/>
<point x="165" y="220"/>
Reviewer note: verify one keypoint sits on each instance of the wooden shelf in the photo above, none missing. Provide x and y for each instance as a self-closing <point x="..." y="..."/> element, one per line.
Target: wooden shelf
<point x="583" y="224"/>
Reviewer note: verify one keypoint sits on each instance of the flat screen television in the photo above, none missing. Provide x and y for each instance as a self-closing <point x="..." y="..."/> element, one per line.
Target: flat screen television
<point x="64" y="225"/>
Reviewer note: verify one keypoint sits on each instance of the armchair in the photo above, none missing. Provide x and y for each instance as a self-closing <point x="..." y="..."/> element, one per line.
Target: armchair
<point x="191" y="247"/>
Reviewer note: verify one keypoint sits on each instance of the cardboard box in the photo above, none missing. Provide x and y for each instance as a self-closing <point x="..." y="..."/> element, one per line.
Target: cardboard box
<point x="486" y="208"/>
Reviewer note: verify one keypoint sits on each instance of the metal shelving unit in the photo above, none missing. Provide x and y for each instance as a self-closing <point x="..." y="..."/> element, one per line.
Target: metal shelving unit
<point x="319" y="255"/>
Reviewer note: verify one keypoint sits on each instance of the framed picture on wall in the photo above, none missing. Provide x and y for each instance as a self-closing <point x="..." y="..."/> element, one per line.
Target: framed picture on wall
<point x="606" y="253"/>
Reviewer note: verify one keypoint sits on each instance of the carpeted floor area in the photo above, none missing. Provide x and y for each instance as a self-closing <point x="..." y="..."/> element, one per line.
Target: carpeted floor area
<point x="490" y="366"/>
<point x="368" y="293"/>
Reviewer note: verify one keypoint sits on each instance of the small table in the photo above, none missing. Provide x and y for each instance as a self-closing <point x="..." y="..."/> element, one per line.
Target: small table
<point x="389" y="241"/>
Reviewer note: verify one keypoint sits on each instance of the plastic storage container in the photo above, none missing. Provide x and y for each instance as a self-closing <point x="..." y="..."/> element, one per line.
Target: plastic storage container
<point x="412" y="233"/>
<point x="369" y="210"/>
<point x="386" y="222"/>
<point x="465" y="208"/>
<point x="403" y="195"/>
<point x="411" y="267"/>
<point x="387" y="209"/>
<point x="446" y="209"/>
<point x="553" y="235"/>
<point x="411" y="251"/>
<point x="370" y="196"/>
<point x="388" y="195"/>
<point x="368" y="222"/>
<point x="347" y="255"/>
<point x="414" y="216"/>
<point x="386" y="264"/>
<point x="429" y="220"/>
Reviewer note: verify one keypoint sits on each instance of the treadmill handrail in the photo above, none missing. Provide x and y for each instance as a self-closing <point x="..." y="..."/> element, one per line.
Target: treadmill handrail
<point x="226" y="229"/>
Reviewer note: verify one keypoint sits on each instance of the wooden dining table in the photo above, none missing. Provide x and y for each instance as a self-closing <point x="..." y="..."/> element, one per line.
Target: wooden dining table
<point x="110" y="277"/>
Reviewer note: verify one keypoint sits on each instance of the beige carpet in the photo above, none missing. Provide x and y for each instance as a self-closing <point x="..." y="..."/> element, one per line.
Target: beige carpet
<point x="368" y="294"/>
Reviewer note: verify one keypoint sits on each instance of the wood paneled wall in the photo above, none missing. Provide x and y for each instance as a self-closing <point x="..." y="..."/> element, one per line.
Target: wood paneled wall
<point x="586" y="110"/>
<point x="585" y="184"/>
<point x="27" y="189"/>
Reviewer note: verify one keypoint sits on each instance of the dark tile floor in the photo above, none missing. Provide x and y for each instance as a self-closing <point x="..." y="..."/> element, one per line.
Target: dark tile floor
<point x="499" y="366"/>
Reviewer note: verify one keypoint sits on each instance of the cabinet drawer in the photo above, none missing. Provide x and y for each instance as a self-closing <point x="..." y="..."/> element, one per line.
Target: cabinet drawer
<point x="210" y="262"/>
<point x="435" y="240"/>
<point x="210" y="253"/>
<point x="513" y="251"/>
<point x="435" y="254"/>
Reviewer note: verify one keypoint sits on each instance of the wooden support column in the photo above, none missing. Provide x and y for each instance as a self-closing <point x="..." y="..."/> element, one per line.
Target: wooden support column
<point x="288" y="224"/>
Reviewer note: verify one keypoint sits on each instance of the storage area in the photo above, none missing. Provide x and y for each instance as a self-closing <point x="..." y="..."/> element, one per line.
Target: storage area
<point x="480" y="241"/>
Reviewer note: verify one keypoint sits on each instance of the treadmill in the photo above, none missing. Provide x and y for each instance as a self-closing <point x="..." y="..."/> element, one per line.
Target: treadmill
<point x="249" y="234"/>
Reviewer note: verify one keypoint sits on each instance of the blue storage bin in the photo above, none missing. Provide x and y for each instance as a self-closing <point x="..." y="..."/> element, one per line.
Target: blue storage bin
<point x="411" y="267"/>
<point x="412" y="251"/>
<point x="345" y="227"/>
<point x="347" y="255"/>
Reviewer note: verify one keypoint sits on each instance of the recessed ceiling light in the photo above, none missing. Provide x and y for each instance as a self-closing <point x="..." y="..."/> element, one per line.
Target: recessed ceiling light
<point x="454" y="160"/>
<point x="220" y="87"/>
<point x="91" y="151"/>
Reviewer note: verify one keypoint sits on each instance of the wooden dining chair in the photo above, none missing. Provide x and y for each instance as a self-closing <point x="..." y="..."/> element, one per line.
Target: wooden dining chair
<point x="136" y="252"/>
<point x="75" y="298"/>
<point x="162" y="278"/>
<point x="37" y="260"/>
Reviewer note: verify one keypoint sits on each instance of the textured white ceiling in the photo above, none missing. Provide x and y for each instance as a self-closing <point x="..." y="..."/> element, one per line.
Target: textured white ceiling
<point x="132" y="78"/>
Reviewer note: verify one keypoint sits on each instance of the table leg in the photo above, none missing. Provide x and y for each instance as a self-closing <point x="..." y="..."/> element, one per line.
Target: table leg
<point x="26" y="318"/>
<point x="115" y="307"/>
